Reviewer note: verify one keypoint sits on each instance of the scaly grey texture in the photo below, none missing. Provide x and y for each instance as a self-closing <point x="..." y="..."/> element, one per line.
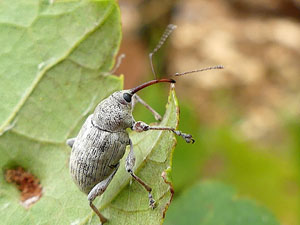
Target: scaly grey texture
<point x="101" y="142"/>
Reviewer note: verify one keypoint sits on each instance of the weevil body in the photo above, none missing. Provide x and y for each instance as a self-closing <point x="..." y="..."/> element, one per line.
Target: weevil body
<point x="102" y="140"/>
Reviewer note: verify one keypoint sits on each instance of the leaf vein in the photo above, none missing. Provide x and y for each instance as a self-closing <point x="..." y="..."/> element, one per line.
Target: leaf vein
<point x="48" y="67"/>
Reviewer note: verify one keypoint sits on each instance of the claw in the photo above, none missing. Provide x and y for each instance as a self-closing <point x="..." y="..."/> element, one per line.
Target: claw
<point x="187" y="137"/>
<point x="189" y="140"/>
<point x="158" y="117"/>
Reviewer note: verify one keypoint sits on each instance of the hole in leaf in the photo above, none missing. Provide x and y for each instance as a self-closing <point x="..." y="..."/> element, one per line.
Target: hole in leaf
<point x="27" y="183"/>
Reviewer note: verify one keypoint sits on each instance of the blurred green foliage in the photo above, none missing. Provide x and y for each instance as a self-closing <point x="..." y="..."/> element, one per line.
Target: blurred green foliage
<point x="211" y="203"/>
<point x="268" y="174"/>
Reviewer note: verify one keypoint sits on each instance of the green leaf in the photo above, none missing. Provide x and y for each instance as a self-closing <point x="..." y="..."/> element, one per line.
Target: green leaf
<point x="50" y="63"/>
<point x="53" y="62"/>
<point x="212" y="203"/>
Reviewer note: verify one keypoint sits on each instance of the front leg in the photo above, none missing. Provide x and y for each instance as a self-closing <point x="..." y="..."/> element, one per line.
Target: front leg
<point x="129" y="164"/>
<point x="140" y="126"/>
<point x="98" y="190"/>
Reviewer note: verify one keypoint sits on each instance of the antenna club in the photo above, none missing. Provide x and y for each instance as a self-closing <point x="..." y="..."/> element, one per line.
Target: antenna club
<point x="172" y="26"/>
<point x="200" y="70"/>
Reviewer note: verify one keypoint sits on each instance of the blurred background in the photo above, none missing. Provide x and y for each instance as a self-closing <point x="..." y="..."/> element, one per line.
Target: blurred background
<point x="245" y="118"/>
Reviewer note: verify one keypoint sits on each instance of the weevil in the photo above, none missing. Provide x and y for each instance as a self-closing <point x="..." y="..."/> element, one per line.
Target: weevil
<point x="102" y="140"/>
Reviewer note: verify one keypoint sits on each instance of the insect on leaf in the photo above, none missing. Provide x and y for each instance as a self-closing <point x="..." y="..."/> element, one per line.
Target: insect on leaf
<point x="53" y="64"/>
<point x="126" y="202"/>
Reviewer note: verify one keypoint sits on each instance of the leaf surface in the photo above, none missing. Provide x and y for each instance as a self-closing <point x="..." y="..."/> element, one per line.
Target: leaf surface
<point x="53" y="63"/>
<point x="50" y="66"/>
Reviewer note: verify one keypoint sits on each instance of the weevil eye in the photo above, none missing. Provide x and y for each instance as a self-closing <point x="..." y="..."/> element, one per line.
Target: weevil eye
<point x="127" y="97"/>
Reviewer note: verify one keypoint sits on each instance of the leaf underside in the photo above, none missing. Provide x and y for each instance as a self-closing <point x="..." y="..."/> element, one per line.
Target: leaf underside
<point x="52" y="71"/>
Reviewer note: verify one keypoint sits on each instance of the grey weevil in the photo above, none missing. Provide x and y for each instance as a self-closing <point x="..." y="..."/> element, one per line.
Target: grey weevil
<point x="102" y="140"/>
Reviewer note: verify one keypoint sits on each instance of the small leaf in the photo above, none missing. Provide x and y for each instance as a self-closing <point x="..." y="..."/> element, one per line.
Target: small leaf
<point x="212" y="203"/>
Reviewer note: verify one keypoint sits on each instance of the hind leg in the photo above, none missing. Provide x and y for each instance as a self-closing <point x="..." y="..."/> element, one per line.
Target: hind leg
<point x="99" y="190"/>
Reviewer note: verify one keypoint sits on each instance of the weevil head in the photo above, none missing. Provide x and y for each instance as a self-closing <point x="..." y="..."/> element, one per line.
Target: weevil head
<point x="115" y="112"/>
<point x="124" y="97"/>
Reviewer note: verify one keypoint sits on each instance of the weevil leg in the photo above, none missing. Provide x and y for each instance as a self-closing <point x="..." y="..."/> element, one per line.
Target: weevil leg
<point x="140" y="100"/>
<point x="71" y="141"/>
<point x="129" y="164"/>
<point x="101" y="217"/>
<point x="99" y="190"/>
<point x="140" y="126"/>
<point x="117" y="65"/>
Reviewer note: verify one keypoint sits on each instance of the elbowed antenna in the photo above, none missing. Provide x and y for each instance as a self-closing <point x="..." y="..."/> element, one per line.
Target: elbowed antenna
<point x="200" y="70"/>
<point x="151" y="82"/>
